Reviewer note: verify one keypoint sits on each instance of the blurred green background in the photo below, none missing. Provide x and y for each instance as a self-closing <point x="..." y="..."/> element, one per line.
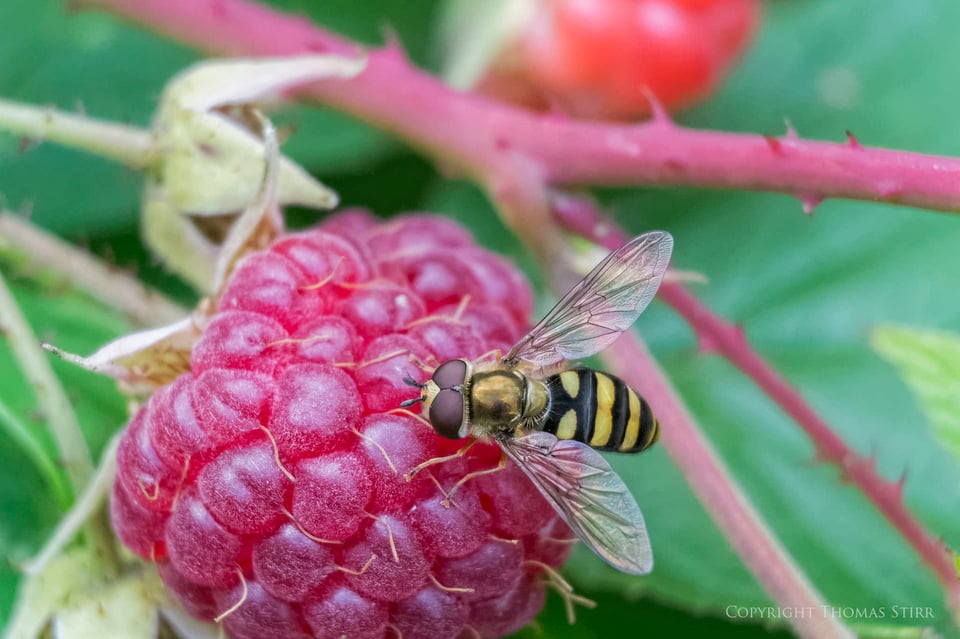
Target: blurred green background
<point x="806" y="289"/>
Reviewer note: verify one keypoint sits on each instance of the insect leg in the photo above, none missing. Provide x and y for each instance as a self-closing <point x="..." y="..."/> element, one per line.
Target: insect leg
<point x="563" y="588"/>
<point x="495" y="356"/>
<point x="478" y="473"/>
<point x="410" y="474"/>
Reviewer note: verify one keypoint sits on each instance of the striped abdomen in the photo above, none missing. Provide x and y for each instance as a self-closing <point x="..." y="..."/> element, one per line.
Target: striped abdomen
<point x="599" y="410"/>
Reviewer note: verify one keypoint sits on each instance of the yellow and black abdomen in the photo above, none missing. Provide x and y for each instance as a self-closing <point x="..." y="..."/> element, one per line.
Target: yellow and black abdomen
<point x="599" y="410"/>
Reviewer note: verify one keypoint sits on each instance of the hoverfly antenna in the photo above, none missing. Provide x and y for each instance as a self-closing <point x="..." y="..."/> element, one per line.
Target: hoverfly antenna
<point x="411" y="402"/>
<point x="412" y="382"/>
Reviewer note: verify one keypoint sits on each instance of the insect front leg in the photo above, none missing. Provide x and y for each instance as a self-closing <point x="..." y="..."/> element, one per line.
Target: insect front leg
<point x="448" y="495"/>
<point x="410" y="474"/>
<point x="478" y="473"/>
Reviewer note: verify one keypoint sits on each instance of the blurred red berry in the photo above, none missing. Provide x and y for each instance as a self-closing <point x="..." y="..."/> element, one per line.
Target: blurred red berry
<point x="600" y="59"/>
<point x="268" y="483"/>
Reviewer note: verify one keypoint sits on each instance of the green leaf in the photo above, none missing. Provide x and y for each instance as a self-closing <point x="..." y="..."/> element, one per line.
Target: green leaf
<point x="807" y="290"/>
<point x="929" y="362"/>
<point x="29" y="508"/>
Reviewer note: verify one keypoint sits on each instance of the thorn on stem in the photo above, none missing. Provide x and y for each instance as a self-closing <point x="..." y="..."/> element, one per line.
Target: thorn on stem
<point x="774" y="144"/>
<point x="791" y="133"/>
<point x="853" y="141"/>
<point x="393" y="45"/>
<point x="900" y="483"/>
<point x="658" y="113"/>
<point x="809" y="202"/>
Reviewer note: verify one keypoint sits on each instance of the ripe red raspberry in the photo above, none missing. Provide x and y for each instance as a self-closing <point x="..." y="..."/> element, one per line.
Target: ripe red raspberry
<point x="268" y="482"/>
<point x="601" y="59"/>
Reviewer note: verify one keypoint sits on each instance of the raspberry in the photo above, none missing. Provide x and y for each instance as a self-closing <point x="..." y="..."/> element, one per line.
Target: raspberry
<point x="600" y="59"/>
<point x="268" y="483"/>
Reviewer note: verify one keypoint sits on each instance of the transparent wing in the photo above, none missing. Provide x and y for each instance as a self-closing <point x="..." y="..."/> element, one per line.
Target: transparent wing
<point x="588" y="494"/>
<point x="601" y="306"/>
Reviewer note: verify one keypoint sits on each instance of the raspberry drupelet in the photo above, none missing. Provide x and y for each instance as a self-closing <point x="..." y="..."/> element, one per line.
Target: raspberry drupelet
<point x="268" y="483"/>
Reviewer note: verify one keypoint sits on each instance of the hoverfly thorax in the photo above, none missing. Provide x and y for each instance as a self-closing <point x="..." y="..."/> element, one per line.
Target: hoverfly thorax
<point x="460" y="402"/>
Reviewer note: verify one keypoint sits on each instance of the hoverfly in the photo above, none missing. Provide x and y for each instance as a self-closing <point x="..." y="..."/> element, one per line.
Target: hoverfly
<point x="549" y="422"/>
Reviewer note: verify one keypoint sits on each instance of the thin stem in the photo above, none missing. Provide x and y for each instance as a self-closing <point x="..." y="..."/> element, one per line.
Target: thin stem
<point x="719" y="493"/>
<point x="86" y="507"/>
<point x="114" y="288"/>
<point x="483" y="138"/>
<point x="55" y="406"/>
<point x="125" y="144"/>
<point x="729" y="341"/>
<point x="51" y="397"/>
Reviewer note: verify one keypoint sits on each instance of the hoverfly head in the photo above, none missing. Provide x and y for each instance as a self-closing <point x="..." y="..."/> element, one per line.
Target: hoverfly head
<point x="443" y="399"/>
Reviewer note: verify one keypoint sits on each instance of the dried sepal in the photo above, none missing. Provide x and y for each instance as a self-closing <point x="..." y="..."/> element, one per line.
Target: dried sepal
<point x="40" y="595"/>
<point x="124" y="608"/>
<point x="261" y="222"/>
<point x="69" y="597"/>
<point x="145" y="360"/>
<point x="212" y="156"/>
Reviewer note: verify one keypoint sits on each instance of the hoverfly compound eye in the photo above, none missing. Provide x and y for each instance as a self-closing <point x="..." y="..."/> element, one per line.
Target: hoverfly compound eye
<point x="446" y="413"/>
<point x="450" y="374"/>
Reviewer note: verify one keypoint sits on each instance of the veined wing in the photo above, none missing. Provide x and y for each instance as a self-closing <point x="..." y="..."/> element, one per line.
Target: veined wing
<point x="601" y="306"/>
<point x="588" y="494"/>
